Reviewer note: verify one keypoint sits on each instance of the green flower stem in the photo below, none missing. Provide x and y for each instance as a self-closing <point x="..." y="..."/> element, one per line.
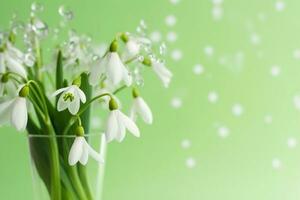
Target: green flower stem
<point x="39" y="62"/>
<point x="119" y="89"/>
<point x="87" y="104"/>
<point x="41" y="95"/>
<point x="130" y="60"/>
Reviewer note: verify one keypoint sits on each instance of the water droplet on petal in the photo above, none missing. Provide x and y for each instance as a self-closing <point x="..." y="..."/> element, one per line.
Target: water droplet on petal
<point x="162" y="49"/>
<point x="37" y="7"/>
<point x="39" y="27"/>
<point x="143" y="24"/>
<point x="141" y="58"/>
<point x="29" y="59"/>
<point x="139" y="81"/>
<point x="66" y="13"/>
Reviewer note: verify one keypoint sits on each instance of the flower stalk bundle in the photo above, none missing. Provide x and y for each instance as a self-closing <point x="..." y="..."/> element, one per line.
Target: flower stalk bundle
<point x="54" y="99"/>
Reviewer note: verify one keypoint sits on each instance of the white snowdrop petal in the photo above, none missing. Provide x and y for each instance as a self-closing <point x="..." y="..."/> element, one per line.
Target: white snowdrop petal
<point x="19" y="114"/>
<point x="76" y="151"/>
<point x="132" y="112"/>
<point x="127" y="78"/>
<point x="2" y="65"/>
<point x="15" y="66"/>
<point x="61" y="103"/>
<point x="5" y="111"/>
<point x="128" y="123"/>
<point x="84" y="155"/>
<point x="121" y="131"/>
<point x="132" y="48"/>
<point x="163" y="73"/>
<point x="112" y="127"/>
<point x="57" y="92"/>
<point x="96" y="71"/>
<point x="114" y="68"/>
<point x="94" y="154"/>
<point x="81" y="95"/>
<point x="144" y="110"/>
<point x="74" y="106"/>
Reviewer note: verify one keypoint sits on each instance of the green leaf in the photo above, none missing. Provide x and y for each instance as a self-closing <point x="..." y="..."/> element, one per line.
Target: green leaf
<point x="59" y="72"/>
<point x="87" y="89"/>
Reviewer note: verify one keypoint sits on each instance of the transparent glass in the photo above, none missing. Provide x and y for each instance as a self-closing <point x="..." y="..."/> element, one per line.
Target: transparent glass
<point x="54" y="178"/>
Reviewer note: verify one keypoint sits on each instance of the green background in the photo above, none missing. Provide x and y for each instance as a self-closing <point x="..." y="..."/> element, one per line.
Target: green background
<point x="199" y="149"/>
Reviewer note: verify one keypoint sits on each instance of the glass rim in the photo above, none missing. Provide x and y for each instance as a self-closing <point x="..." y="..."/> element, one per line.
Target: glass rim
<point x="62" y="136"/>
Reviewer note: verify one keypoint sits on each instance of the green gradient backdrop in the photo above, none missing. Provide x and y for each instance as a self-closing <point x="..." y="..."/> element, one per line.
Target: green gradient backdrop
<point x="238" y="167"/>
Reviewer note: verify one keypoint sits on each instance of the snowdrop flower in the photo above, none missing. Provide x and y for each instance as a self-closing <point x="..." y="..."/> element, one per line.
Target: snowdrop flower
<point x="132" y="45"/>
<point x="11" y="59"/>
<point x="118" y="123"/>
<point x="70" y="98"/>
<point x="81" y="150"/>
<point x="6" y="86"/>
<point x="112" y="66"/>
<point x="15" y="110"/>
<point x="140" y="107"/>
<point x="160" y="69"/>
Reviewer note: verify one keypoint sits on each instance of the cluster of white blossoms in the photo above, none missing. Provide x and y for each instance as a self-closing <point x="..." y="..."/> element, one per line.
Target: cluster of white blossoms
<point x="25" y="80"/>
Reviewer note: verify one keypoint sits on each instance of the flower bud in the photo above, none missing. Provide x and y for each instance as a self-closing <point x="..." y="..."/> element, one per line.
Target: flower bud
<point x="135" y="93"/>
<point x="79" y="131"/>
<point x="113" y="46"/>
<point x="77" y="81"/>
<point x="147" y="62"/>
<point x="124" y="37"/>
<point x="24" y="92"/>
<point x="4" y="78"/>
<point x="12" y="37"/>
<point x="113" y="105"/>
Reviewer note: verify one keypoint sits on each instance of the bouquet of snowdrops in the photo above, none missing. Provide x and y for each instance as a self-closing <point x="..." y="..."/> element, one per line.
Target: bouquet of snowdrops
<point x="54" y="98"/>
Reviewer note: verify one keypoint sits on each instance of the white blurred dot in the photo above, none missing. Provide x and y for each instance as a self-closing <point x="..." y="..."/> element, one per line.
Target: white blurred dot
<point x="209" y="50"/>
<point x="217" y="13"/>
<point x="213" y="97"/>
<point x="171" y="36"/>
<point x="255" y="39"/>
<point x="198" y="69"/>
<point x="176" y="102"/>
<point x="223" y="132"/>
<point x="262" y="17"/>
<point x="292" y="142"/>
<point x="297" y="102"/>
<point x="276" y="163"/>
<point x="280" y="6"/>
<point x="297" y="54"/>
<point x="190" y="162"/>
<point x="155" y="36"/>
<point x="268" y="119"/>
<point x="170" y="20"/>
<point x="275" y="70"/>
<point x="174" y="2"/>
<point x="176" y="54"/>
<point x="237" y="110"/>
<point x="186" y="143"/>
<point x="217" y="2"/>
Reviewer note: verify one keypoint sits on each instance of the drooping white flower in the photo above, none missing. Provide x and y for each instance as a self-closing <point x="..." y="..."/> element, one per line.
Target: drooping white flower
<point x="162" y="72"/>
<point x="11" y="59"/>
<point x="113" y="68"/>
<point x="140" y="107"/>
<point x="80" y="152"/>
<point x="70" y="99"/>
<point x="133" y="45"/>
<point x="15" y="110"/>
<point x="117" y="124"/>
<point x="6" y="86"/>
<point x="160" y="69"/>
